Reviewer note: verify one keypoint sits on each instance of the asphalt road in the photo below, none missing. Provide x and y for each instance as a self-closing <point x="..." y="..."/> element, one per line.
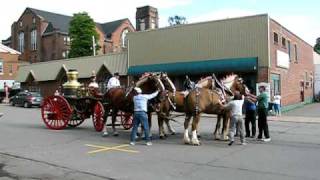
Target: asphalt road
<point x="28" y="150"/>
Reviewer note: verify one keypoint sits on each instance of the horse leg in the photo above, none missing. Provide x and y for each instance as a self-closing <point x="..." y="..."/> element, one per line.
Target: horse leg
<point x="150" y="123"/>
<point x="186" y="138"/>
<point x="195" y="122"/>
<point x="105" y="118"/>
<point x="171" y="130"/>
<point x="217" y="130"/>
<point x="114" y="119"/>
<point x="225" y="129"/>
<point x="160" y="124"/>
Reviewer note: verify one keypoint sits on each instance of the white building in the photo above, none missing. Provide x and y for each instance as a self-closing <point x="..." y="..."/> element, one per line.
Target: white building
<point x="316" y="58"/>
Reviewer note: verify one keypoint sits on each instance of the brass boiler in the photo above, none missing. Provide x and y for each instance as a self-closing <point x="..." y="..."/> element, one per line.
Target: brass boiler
<point x="71" y="87"/>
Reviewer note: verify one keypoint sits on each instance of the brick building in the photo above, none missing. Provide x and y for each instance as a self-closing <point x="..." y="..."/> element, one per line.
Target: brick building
<point x="8" y="65"/>
<point x="257" y="48"/>
<point x="42" y="36"/>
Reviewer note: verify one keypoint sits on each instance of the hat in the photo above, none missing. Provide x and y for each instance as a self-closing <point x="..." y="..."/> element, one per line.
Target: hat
<point x="116" y="74"/>
<point x="138" y="90"/>
<point x="93" y="74"/>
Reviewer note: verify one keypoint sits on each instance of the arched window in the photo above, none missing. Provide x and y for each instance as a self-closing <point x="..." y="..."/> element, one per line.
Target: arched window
<point x="124" y="40"/>
<point x="34" y="39"/>
<point x="21" y="42"/>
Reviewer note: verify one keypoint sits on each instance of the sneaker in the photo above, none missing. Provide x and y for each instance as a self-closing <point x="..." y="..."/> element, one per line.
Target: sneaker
<point x="243" y="143"/>
<point x="259" y="139"/>
<point x="267" y="140"/>
<point x="132" y="143"/>
<point x="149" y="143"/>
<point x="230" y="143"/>
<point x="104" y="134"/>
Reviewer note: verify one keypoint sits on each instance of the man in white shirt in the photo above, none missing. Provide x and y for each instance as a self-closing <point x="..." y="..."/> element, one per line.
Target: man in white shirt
<point x="235" y="106"/>
<point x="114" y="81"/>
<point x="140" y="114"/>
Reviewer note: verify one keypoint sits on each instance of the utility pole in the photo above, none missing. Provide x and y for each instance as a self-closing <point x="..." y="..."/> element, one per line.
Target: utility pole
<point x="94" y="46"/>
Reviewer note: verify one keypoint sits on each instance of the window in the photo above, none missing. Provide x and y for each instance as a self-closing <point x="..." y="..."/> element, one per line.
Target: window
<point x="153" y="23"/>
<point x="34" y="40"/>
<point x="65" y="54"/>
<point x="33" y="20"/>
<point x="289" y="50"/>
<point x="284" y="42"/>
<point x="295" y="49"/>
<point x="21" y="42"/>
<point x="124" y="40"/>
<point x="142" y="25"/>
<point x="1" y="66"/>
<point x="275" y="38"/>
<point x="275" y="84"/>
<point x="20" y="24"/>
<point x="66" y="40"/>
<point x="10" y="69"/>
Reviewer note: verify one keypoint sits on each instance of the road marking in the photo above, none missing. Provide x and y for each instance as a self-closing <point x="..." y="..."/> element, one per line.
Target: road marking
<point x="112" y="148"/>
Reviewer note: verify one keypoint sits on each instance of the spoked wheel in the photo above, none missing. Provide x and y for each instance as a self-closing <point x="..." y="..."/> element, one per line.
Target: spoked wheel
<point x="97" y="116"/>
<point x="126" y="120"/>
<point x="76" y="122"/>
<point x="56" y="112"/>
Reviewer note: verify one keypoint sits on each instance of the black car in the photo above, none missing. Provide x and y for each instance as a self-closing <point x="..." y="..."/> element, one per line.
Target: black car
<point x="26" y="99"/>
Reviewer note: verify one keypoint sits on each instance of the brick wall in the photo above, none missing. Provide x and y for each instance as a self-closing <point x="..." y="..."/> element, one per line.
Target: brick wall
<point x="291" y="78"/>
<point x="9" y="60"/>
<point x="116" y="37"/>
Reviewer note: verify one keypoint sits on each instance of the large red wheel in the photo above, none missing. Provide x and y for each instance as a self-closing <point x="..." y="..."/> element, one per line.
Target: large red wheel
<point x="97" y="116"/>
<point x="56" y="112"/>
<point x="76" y="122"/>
<point x="126" y="120"/>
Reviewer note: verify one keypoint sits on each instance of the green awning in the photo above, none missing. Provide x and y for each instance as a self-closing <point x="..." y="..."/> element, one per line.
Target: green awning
<point x="199" y="67"/>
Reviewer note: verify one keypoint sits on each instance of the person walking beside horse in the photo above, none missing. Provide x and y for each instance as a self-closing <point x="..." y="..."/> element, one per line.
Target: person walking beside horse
<point x="140" y="114"/>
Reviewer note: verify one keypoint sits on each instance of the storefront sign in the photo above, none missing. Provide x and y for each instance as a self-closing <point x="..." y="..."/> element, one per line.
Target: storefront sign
<point x="283" y="59"/>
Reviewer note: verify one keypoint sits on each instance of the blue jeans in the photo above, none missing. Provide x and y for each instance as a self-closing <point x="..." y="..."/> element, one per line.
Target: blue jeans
<point x="140" y="117"/>
<point x="277" y="108"/>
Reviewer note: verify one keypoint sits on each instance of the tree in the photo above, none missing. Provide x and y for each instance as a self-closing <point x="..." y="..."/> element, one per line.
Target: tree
<point x="82" y="28"/>
<point x="177" y="20"/>
<point x="317" y="46"/>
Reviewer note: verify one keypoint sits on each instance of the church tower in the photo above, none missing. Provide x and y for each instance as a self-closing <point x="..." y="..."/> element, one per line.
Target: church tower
<point x="147" y="18"/>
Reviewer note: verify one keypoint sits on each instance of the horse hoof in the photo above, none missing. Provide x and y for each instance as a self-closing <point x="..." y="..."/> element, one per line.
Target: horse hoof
<point x="199" y="136"/>
<point x="186" y="141"/>
<point x="162" y="137"/>
<point x="196" y="142"/>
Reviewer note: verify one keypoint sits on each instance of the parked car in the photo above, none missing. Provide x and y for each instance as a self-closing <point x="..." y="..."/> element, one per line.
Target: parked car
<point x="26" y="99"/>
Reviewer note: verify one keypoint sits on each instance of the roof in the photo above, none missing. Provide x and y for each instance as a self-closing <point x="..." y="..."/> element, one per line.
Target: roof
<point x="116" y="62"/>
<point x="61" y="22"/>
<point x="109" y="27"/>
<point x="58" y="20"/>
<point x="7" y="49"/>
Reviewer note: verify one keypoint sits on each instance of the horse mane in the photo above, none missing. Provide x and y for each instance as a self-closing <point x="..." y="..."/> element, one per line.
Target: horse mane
<point x="228" y="80"/>
<point x="145" y="77"/>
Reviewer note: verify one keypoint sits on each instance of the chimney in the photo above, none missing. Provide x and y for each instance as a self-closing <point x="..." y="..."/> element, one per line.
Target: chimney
<point x="147" y="18"/>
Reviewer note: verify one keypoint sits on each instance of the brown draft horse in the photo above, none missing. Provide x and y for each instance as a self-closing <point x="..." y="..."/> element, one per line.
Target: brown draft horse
<point x="118" y="99"/>
<point x="175" y="100"/>
<point x="202" y="100"/>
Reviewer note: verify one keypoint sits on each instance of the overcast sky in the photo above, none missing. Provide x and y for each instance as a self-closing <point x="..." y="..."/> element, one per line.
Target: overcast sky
<point x="301" y="17"/>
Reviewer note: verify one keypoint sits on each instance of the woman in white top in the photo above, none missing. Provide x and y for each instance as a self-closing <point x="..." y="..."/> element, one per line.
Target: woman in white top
<point x="277" y="104"/>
